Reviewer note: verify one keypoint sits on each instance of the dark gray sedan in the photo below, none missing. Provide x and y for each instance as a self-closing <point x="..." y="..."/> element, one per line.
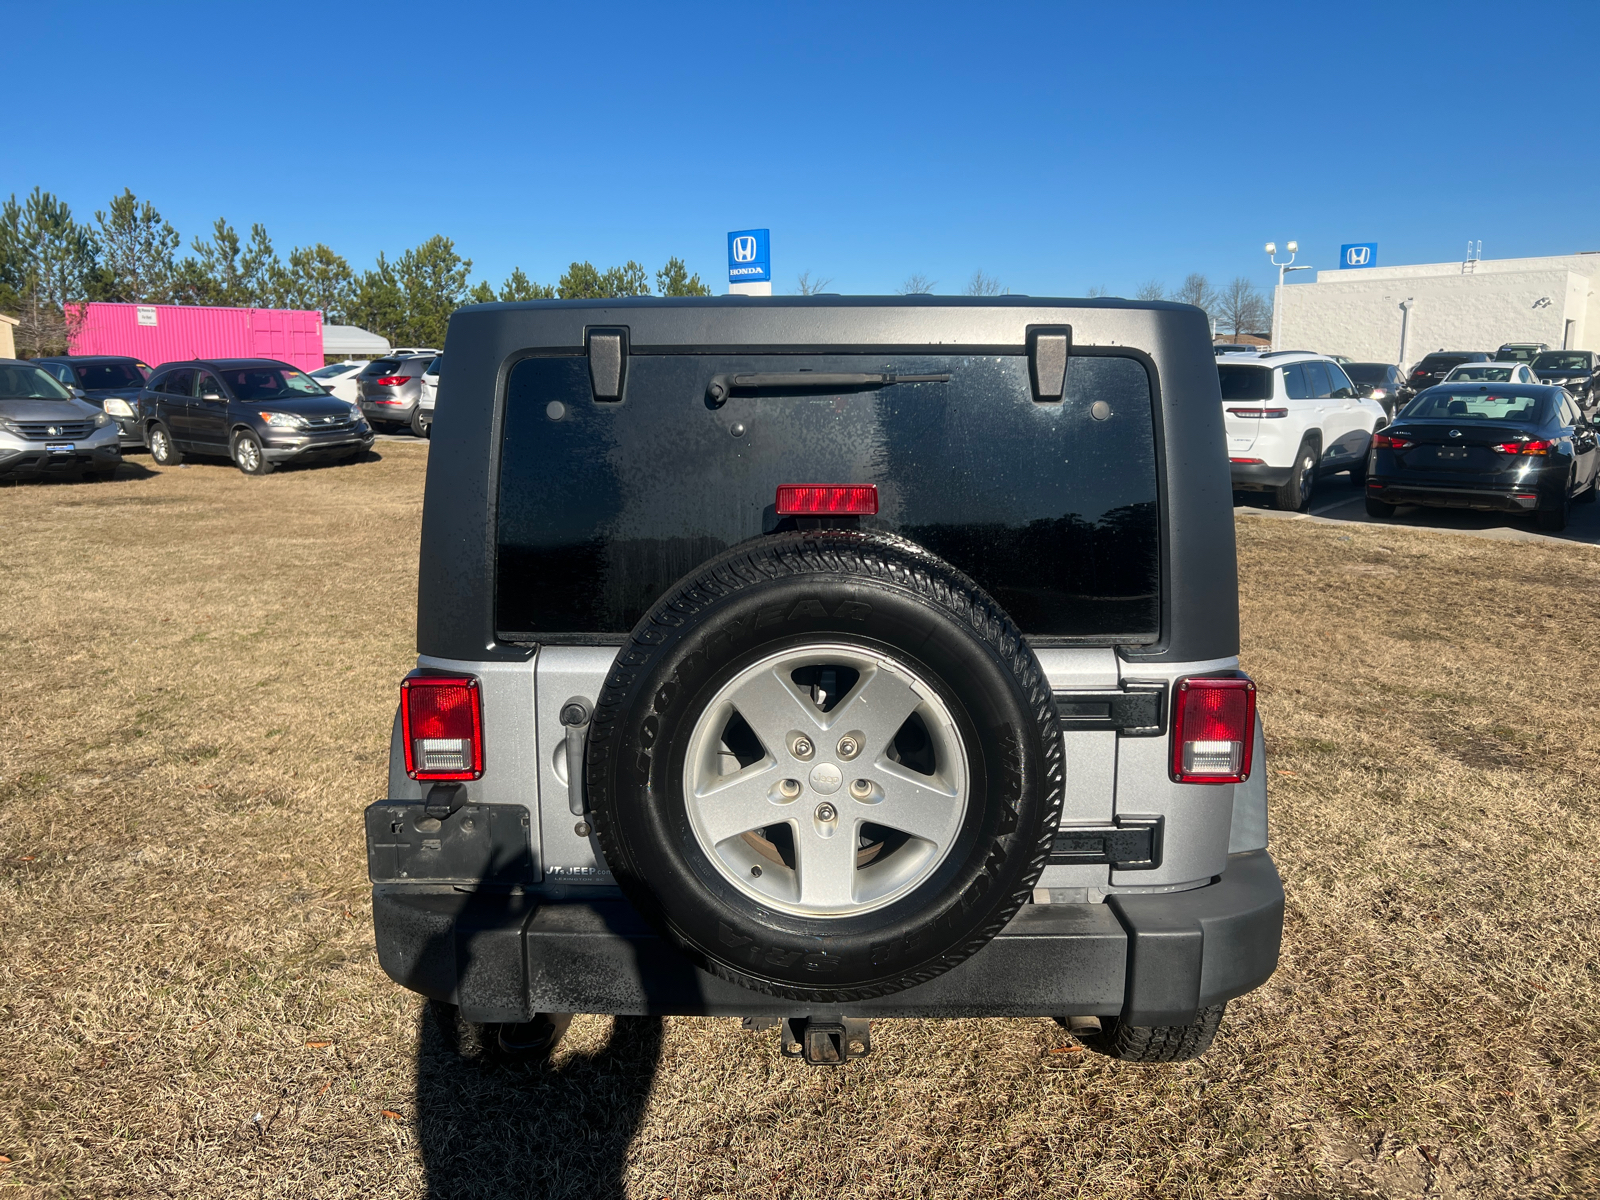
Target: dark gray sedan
<point x="256" y="411"/>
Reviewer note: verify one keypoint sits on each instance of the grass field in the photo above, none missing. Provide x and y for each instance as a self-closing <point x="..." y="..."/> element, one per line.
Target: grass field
<point x="199" y="674"/>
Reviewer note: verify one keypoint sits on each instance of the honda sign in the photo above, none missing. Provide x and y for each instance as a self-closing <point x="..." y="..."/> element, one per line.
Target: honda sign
<point x="1359" y="254"/>
<point x="749" y="259"/>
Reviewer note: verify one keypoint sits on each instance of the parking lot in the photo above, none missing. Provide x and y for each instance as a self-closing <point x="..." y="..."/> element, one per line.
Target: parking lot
<point x="202" y="671"/>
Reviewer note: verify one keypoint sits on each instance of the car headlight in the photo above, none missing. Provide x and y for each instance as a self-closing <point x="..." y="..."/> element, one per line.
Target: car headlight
<point x="118" y="407"/>
<point x="282" y="420"/>
<point x="9" y="425"/>
<point x="101" y="420"/>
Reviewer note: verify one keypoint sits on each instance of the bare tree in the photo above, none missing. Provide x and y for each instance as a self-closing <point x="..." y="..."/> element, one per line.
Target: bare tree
<point x="1151" y="289"/>
<point x="1240" y="307"/>
<point x="984" y="285"/>
<point x="918" y="284"/>
<point x="1196" y="289"/>
<point x="809" y="286"/>
<point x="1096" y="290"/>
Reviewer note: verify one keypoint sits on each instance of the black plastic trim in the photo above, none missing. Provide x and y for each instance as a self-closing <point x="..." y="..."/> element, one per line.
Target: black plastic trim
<point x="1129" y="843"/>
<point x="1136" y="710"/>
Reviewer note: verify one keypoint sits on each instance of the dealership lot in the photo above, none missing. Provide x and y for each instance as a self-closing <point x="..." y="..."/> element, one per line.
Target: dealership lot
<point x="194" y="718"/>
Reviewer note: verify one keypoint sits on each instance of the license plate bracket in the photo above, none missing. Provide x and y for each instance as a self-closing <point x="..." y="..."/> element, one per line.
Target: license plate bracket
<point x="60" y="448"/>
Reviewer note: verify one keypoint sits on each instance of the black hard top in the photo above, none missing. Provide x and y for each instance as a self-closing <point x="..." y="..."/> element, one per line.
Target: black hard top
<point x="455" y="609"/>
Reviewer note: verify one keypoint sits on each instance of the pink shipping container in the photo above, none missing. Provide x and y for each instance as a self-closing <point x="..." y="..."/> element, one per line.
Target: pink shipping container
<point x="161" y="333"/>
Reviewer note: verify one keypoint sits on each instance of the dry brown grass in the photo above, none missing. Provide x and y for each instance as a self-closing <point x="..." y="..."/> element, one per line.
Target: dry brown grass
<point x="199" y="674"/>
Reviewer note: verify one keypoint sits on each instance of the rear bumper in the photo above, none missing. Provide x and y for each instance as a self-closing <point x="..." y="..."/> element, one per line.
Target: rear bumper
<point x="1444" y="496"/>
<point x="1153" y="959"/>
<point x="1256" y="477"/>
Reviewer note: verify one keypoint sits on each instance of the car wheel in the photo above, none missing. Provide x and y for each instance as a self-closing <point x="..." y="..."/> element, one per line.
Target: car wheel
<point x="1295" y="494"/>
<point x="827" y="766"/>
<point x="419" y="427"/>
<point x="1358" y="472"/>
<point x="163" y="451"/>
<point x="1588" y="495"/>
<point x="248" y="455"/>
<point x="1156" y="1043"/>
<point x="1554" y="520"/>
<point x="1379" y="508"/>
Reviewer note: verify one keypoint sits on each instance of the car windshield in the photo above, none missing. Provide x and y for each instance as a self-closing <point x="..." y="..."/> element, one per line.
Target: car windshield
<point x="29" y="383"/>
<point x="270" y="383"/>
<point x="332" y="371"/>
<point x="93" y="377"/>
<point x="1554" y="361"/>
<point x="1515" y="354"/>
<point x="1481" y="374"/>
<point x="1441" y="405"/>
<point x="1245" y="383"/>
<point x="1367" y="372"/>
<point x="1440" y="362"/>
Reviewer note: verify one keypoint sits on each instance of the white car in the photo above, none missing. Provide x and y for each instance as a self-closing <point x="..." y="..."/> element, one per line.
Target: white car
<point x="1491" y="372"/>
<point x="422" y="417"/>
<point x="1290" y="416"/>
<point x="340" y="379"/>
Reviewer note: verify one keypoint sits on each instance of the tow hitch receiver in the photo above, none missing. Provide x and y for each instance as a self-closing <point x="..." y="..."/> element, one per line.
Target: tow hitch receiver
<point x="824" y="1042"/>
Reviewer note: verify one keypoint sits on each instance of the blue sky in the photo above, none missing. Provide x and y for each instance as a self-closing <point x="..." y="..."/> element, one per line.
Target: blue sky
<point x="1056" y="147"/>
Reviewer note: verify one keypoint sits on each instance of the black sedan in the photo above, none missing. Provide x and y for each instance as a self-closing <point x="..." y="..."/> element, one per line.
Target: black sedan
<point x="257" y="411"/>
<point x="1505" y="448"/>
<point x="1576" y="370"/>
<point x="110" y="382"/>
<point x="1382" y="382"/>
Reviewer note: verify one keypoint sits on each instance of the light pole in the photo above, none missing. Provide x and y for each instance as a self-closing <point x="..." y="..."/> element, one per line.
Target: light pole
<point x="1277" y="296"/>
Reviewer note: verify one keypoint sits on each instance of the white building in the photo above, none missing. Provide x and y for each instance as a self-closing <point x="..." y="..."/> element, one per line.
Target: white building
<point x="1398" y="314"/>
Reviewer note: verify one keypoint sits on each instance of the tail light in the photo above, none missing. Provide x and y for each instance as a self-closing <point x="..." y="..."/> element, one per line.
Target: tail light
<point x="1419" y="373"/>
<point x="1213" y="730"/>
<point x="1259" y="412"/>
<point x="827" y="499"/>
<point x="1532" y="446"/>
<point x="1249" y="461"/>
<point x="392" y="380"/>
<point x="441" y="724"/>
<point x="1391" y="441"/>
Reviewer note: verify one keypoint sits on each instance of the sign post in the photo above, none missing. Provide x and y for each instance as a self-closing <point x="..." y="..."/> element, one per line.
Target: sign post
<point x="750" y="263"/>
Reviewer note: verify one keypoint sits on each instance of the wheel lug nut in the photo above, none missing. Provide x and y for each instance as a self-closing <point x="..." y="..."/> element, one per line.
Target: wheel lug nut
<point x="849" y="747"/>
<point x="789" y="788"/>
<point x="826" y="812"/>
<point x="803" y="748"/>
<point x="860" y="789"/>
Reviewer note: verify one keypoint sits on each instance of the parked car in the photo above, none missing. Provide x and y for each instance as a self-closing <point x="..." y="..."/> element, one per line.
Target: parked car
<point x="1522" y="352"/>
<point x="822" y="780"/>
<point x="110" y="382"/>
<point x="1491" y="372"/>
<point x="1222" y="348"/>
<point x="1290" y="416"/>
<point x="258" y="412"/>
<point x="1382" y="382"/>
<point x="1434" y="367"/>
<point x="339" y="379"/>
<point x="422" y="419"/>
<point x="1576" y="370"/>
<point x="1505" y="448"/>
<point x="390" y="387"/>
<point x="46" y="430"/>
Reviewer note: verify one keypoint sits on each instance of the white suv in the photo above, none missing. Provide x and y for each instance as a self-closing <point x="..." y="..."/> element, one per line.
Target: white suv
<point x="1289" y="416"/>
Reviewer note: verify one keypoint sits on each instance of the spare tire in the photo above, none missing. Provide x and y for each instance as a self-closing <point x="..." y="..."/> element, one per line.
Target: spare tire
<point x="826" y="765"/>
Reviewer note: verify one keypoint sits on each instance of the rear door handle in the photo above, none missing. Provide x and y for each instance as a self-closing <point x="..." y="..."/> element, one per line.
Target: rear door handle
<point x="575" y="715"/>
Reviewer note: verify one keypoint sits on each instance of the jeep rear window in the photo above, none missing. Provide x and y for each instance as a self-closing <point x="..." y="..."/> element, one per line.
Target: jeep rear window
<point x="603" y="506"/>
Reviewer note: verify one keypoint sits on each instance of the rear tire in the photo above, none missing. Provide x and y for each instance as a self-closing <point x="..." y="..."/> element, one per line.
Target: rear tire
<point x="248" y="455"/>
<point x="163" y="450"/>
<point x="1379" y="508"/>
<point x="1157" y="1043"/>
<point x="1295" y="494"/>
<point x="1587" y="496"/>
<point x="1554" y="520"/>
<point x="419" y="427"/>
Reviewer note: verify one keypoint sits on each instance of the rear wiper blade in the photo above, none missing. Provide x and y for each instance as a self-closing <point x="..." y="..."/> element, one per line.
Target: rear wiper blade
<point x="722" y="385"/>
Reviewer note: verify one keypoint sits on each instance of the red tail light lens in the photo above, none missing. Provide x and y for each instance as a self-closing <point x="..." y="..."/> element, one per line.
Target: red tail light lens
<point x="393" y="380"/>
<point x="441" y="724"/>
<point x="1213" y="730"/>
<point x="1532" y="446"/>
<point x="1249" y="461"/>
<point x="1390" y="441"/>
<point x="827" y="499"/>
<point x="1259" y="412"/>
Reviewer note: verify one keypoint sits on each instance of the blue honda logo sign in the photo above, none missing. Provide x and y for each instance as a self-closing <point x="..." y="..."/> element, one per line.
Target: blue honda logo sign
<point x="749" y="256"/>
<point x="1359" y="254"/>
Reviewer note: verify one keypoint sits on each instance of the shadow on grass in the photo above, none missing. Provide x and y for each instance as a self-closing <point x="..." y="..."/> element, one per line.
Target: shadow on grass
<point x="490" y="1129"/>
<point x="126" y="472"/>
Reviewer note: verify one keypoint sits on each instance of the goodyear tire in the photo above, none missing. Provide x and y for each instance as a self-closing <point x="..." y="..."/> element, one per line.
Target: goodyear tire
<point x="762" y="802"/>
